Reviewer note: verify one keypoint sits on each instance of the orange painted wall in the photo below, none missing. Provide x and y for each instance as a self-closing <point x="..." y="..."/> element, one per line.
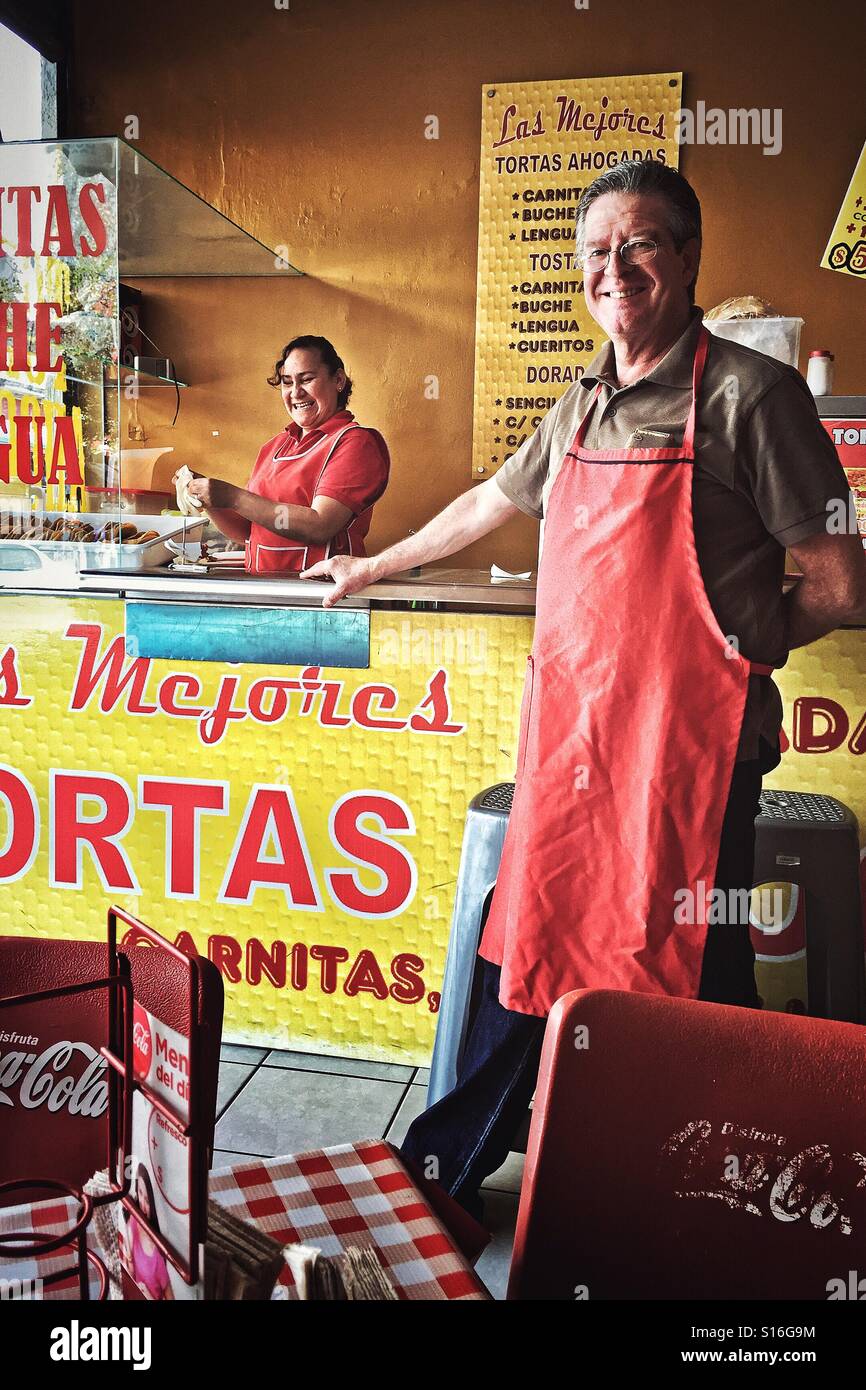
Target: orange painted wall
<point x="306" y="125"/>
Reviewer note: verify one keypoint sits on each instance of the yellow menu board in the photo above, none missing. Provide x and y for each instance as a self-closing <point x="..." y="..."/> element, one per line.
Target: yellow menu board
<point x="542" y="144"/>
<point x="846" y="249"/>
<point x="302" y="827"/>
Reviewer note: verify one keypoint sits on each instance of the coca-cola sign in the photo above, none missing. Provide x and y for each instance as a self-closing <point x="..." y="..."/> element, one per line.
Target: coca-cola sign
<point x="64" y="1075"/>
<point x="56" y="1017"/>
<point x="760" y="1172"/>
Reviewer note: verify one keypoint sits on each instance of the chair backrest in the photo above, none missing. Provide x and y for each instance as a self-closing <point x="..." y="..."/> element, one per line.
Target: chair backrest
<point x="683" y="1150"/>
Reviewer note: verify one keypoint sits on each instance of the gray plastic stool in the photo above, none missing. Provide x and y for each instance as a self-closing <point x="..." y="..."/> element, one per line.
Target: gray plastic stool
<point x="483" y="837"/>
<point x="814" y="841"/>
<point x="801" y="838"/>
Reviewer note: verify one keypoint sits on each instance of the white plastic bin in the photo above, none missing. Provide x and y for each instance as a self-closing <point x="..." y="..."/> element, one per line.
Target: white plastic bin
<point x="779" y="338"/>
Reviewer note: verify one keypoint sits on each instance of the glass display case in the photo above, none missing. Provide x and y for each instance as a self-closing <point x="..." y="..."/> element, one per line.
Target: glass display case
<point x="78" y="220"/>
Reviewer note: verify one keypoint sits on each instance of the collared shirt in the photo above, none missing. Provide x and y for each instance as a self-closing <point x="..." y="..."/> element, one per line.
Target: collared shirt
<point x="765" y="474"/>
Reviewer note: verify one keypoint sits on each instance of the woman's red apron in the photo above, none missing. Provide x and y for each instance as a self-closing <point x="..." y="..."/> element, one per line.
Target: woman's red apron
<point x="631" y="718"/>
<point x="291" y="479"/>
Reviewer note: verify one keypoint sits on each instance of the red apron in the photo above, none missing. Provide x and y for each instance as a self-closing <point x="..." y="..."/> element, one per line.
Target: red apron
<point x="631" y="718"/>
<point x="291" y="479"/>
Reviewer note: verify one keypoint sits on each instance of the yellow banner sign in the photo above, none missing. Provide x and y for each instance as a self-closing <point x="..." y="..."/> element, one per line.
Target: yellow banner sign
<point x="846" y="249"/>
<point x="300" y="826"/>
<point x="542" y="144"/>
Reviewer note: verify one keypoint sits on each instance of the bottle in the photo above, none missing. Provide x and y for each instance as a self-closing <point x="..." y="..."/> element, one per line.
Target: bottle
<point x="819" y="373"/>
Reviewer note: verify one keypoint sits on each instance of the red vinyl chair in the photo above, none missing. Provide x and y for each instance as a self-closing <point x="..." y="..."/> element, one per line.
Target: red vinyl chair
<point x="684" y="1150"/>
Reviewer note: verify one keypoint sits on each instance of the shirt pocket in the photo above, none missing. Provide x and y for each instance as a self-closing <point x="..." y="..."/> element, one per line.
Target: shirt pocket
<point x="648" y="438"/>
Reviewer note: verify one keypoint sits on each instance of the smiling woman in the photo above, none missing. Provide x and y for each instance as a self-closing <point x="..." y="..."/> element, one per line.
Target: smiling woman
<point x="313" y="486"/>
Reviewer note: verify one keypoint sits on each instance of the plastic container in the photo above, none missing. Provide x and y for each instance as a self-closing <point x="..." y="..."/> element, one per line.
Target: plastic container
<point x="779" y="338"/>
<point x="98" y="555"/>
<point x="146" y="501"/>
<point x="819" y="372"/>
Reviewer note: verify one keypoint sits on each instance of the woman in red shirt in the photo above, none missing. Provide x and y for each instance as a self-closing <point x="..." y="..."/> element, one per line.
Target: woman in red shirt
<point x="313" y="486"/>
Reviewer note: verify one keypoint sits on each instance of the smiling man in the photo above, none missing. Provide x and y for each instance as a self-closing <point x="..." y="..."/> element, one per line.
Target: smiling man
<point x="671" y="479"/>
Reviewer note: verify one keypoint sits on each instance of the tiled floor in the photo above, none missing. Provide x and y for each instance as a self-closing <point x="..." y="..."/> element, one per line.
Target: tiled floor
<point x="273" y="1103"/>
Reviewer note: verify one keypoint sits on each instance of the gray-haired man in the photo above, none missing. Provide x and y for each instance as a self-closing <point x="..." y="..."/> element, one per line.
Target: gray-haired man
<point x="762" y="477"/>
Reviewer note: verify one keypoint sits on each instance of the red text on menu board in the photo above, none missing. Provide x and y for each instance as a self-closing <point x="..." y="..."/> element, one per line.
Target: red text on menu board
<point x="33" y="227"/>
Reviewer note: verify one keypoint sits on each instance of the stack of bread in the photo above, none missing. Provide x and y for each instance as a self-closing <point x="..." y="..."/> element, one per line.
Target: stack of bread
<point x="742" y="306"/>
<point x="70" y="528"/>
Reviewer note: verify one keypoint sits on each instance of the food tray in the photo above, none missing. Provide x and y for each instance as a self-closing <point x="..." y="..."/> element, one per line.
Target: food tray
<point x="115" y="556"/>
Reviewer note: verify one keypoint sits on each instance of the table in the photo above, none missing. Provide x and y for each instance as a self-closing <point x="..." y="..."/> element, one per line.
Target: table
<point x="351" y="1194"/>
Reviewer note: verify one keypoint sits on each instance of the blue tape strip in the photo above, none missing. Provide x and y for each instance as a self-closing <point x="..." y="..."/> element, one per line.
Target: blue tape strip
<point x="254" y="636"/>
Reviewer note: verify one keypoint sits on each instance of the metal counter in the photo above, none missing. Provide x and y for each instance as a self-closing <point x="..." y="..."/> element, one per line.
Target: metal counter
<point x="444" y="588"/>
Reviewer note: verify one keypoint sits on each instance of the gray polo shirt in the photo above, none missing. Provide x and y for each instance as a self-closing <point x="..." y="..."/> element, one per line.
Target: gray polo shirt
<point x="765" y="473"/>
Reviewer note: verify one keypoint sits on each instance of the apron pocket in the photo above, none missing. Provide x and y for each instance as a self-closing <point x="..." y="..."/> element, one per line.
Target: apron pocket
<point x="278" y="559"/>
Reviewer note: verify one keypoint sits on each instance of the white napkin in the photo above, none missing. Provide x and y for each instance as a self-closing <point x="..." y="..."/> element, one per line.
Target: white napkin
<point x="497" y="573"/>
<point x="188" y="505"/>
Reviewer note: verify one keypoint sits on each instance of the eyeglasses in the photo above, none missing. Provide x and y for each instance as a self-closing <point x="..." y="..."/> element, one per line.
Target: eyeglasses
<point x="632" y="252"/>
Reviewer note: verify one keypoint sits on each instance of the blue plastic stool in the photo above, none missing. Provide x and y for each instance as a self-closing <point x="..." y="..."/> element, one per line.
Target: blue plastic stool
<point x="483" y="837"/>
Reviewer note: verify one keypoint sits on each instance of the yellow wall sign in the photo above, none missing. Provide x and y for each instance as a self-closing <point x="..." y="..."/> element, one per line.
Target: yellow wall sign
<point x="300" y="826"/>
<point x="846" y="249"/>
<point x="542" y="144"/>
<point x="824" y="732"/>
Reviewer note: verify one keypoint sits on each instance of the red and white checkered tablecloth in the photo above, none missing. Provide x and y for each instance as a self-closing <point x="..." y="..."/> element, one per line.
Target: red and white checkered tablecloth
<point x="351" y="1194"/>
<point x="20" y="1275"/>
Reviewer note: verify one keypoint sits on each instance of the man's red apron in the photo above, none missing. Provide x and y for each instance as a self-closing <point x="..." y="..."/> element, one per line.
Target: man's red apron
<point x="292" y="479"/>
<point x="631" y="718"/>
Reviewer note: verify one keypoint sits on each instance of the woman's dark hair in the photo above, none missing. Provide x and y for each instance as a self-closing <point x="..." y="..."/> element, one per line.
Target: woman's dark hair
<point x="329" y="355"/>
<point x="648" y="176"/>
<point x="151" y="1198"/>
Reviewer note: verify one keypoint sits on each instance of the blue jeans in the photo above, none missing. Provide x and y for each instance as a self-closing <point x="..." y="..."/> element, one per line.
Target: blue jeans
<point x="470" y="1131"/>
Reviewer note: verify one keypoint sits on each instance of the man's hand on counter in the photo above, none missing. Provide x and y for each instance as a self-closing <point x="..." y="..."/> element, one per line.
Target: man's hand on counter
<point x="349" y="573"/>
<point x="469" y="517"/>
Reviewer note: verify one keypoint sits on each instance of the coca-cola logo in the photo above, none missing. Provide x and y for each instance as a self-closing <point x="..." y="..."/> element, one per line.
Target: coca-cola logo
<point x="52" y="1078"/>
<point x="142" y="1043"/>
<point x="755" y="1171"/>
